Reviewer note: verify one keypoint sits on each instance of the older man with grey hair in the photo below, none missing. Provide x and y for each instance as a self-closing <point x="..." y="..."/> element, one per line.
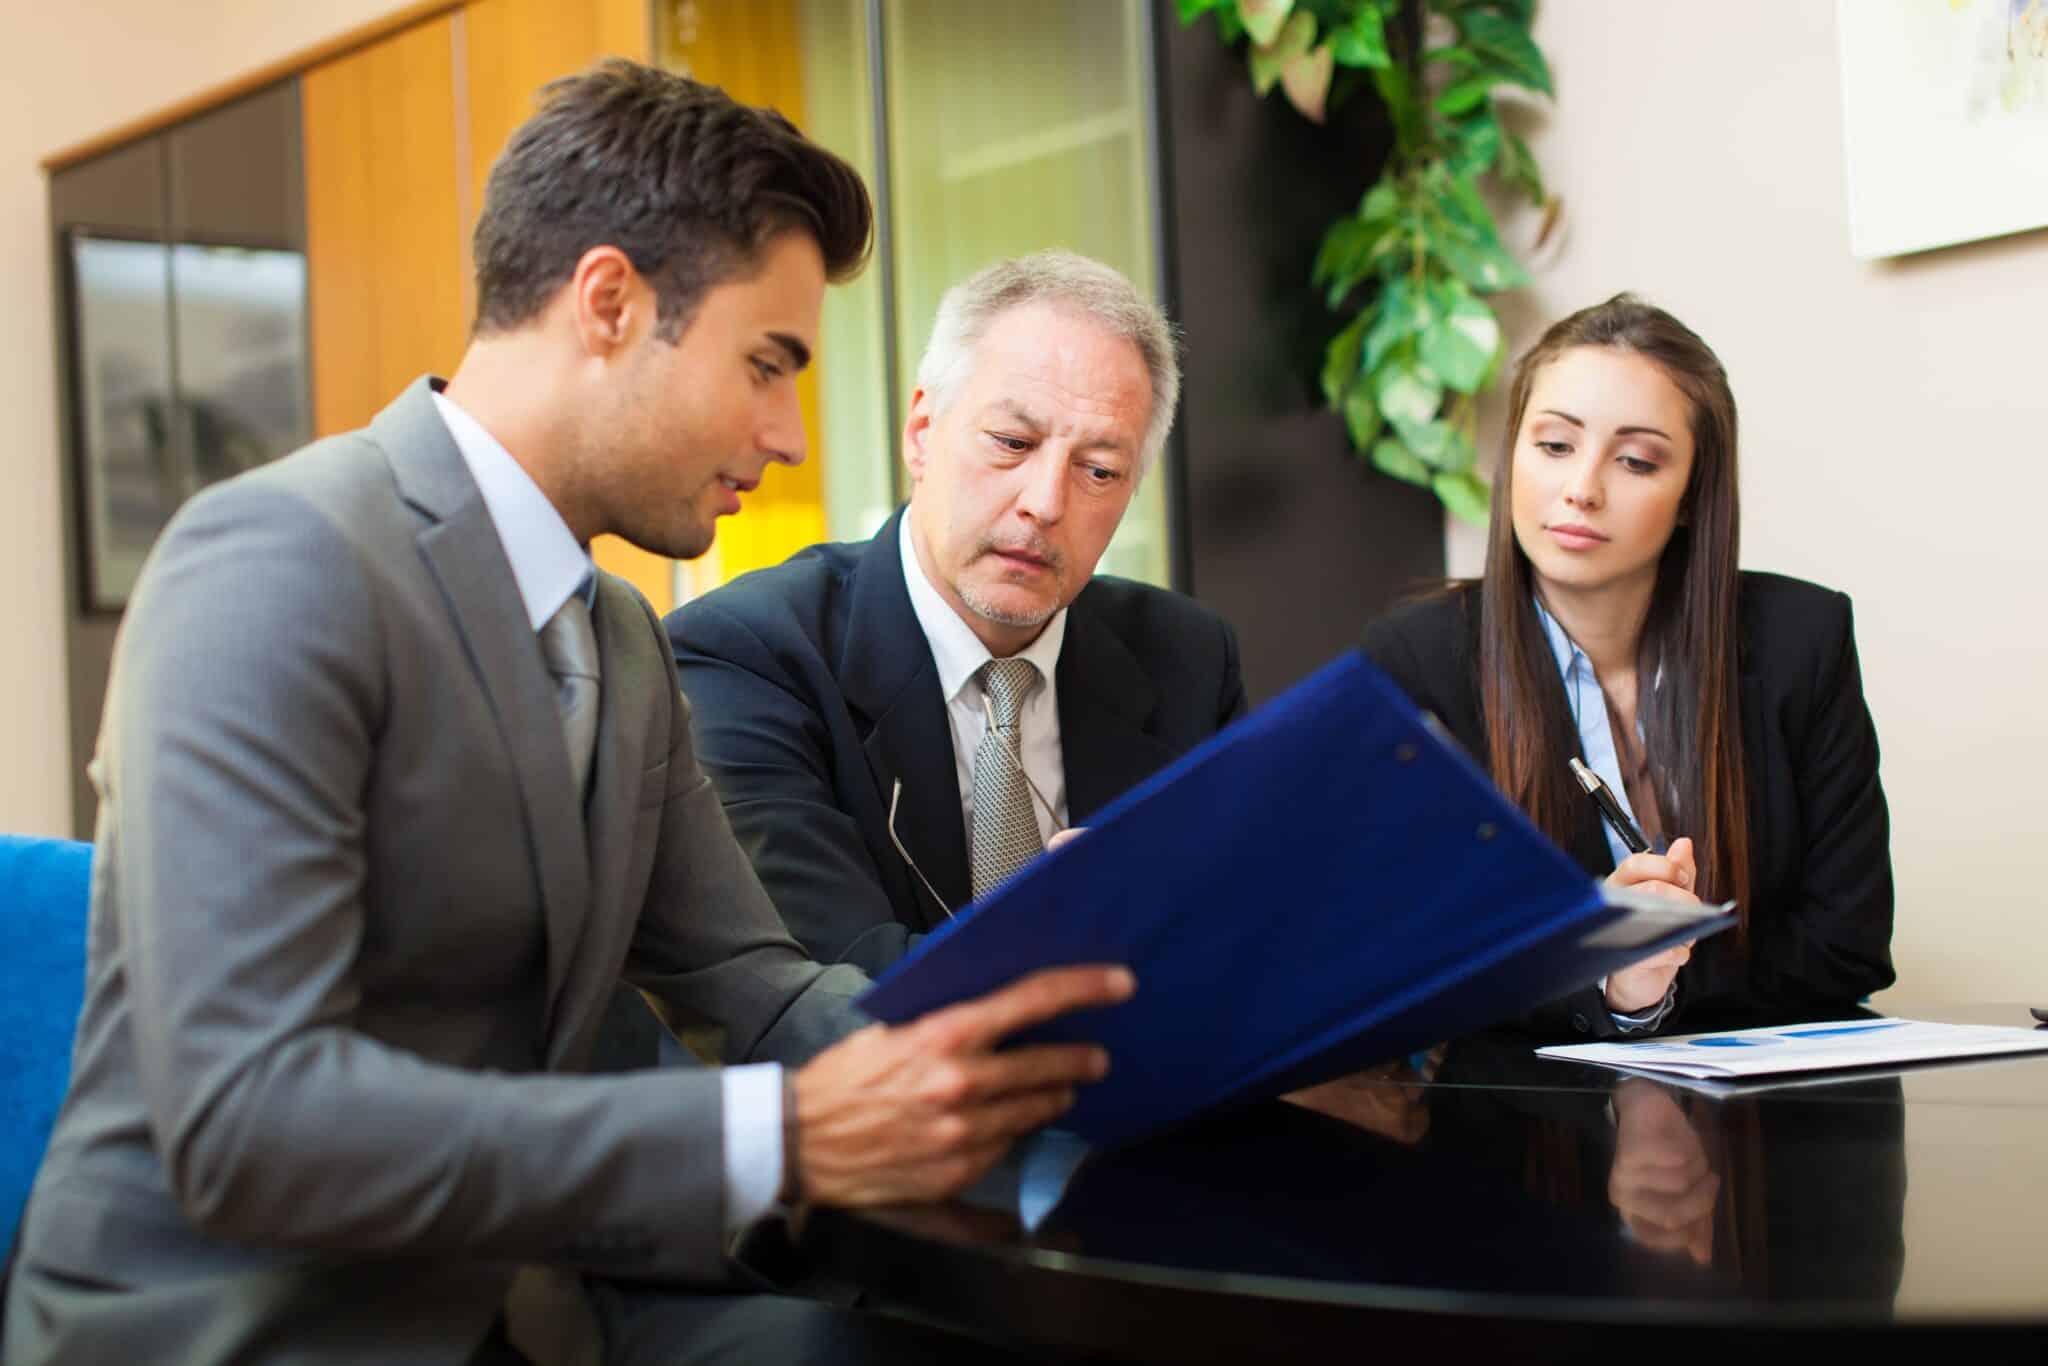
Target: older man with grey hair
<point x="896" y="725"/>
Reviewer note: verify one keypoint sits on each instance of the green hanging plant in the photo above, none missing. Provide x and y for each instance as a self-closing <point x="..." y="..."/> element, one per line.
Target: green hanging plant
<point x="1421" y="251"/>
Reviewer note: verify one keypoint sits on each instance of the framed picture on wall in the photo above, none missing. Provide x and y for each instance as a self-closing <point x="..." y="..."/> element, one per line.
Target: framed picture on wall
<point x="1944" y="121"/>
<point x="129" y="477"/>
<point x="190" y="365"/>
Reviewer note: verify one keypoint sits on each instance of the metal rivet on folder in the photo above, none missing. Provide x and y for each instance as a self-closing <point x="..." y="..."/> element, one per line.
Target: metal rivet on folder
<point x="1405" y="753"/>
<point x="1487" y="830"/>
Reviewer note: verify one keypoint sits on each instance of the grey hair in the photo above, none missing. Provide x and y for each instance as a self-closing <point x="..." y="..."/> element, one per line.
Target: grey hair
<point x="1065" y="280"/>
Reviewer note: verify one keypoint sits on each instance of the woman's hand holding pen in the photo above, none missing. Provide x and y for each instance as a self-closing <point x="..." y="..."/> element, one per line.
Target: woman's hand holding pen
<point x="1640" y="986"/>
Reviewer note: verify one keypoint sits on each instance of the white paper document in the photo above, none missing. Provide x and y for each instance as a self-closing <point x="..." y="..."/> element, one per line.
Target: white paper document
<point x="1822" y="1047"/>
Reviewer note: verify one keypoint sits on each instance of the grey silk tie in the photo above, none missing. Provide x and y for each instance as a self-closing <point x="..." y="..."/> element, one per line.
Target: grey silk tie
<point x="1005" y="830"/>
<point x="569" y="644"/>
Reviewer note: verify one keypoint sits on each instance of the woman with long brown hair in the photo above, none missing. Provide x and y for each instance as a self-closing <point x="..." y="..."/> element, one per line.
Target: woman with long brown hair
<point x="1724" y="709"/>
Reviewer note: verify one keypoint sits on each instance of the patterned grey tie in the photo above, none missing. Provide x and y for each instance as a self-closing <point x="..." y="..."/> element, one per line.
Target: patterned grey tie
<point x="1005" y="830"/>
<point x="569" y="644"/>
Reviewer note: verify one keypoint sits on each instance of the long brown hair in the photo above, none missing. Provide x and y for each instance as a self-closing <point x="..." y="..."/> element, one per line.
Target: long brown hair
<point x="1692" y="716"/>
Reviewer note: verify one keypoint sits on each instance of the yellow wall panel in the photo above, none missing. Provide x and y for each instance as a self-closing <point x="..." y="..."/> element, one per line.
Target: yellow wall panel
<point x="750" y="48"/>
<point x="385" y="278"/>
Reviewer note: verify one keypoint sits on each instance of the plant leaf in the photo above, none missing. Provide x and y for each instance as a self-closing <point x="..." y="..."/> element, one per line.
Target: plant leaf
<point x="1340" y="361"/>
<point x="1518" y="164"/>
<point x="1408" y="393"/>
<point x="1389" y="456"/>
<point x="1465" y="494"/>
<point x="1349" y="251"/>
<point x="1482" y="264"/>
<point x="1457" y="452"/>
<point x="1505" y="45"/>
<point x="1382" y="203"/>
<point x="1394" y="321"/>
<point x="1427" y="441"/>
<point x="1269" y="60"/>
<point x="1463" y="339"/>
<point x="1363" y="41"/>
<point x="1479" y="144"/>
<point x="1191" y="10"/>
<point x="1306" y="79"/>
<point x="1465" y="93"/>
<point x="1263" y="18"/>
<point x="1395" y="89"/>
<point x="1361" y="418"/>
<point x="1459" y="199"/>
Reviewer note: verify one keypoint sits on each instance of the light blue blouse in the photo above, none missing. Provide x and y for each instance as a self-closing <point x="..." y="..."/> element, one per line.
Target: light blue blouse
<point x="1589" y="710"/>
<point x="1596" y="750"/>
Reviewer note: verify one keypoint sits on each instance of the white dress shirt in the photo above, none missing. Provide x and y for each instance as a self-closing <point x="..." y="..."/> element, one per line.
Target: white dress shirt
<point x="548" y="565"/>
<point x="959" y="654"/>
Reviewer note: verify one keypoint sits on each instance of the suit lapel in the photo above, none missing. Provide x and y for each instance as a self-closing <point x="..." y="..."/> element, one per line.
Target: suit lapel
<point x="623" y="722"/>
<point x="1106" y="701"/>
<point x="892" y="685"/>
<point x="463" y="553"/>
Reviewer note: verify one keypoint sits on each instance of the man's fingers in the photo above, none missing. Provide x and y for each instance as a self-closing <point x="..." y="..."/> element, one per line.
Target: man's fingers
<point x="986" y="1076"/>
<point x="978" y="1025"/>
<point x="1014" y="1116"/>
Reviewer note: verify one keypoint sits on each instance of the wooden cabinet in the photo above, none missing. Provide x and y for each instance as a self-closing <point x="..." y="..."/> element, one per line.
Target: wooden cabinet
<point x="387" y="280"/>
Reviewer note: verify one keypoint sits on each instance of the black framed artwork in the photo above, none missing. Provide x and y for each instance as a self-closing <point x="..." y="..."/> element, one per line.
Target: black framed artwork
<point x="191" y="366"/>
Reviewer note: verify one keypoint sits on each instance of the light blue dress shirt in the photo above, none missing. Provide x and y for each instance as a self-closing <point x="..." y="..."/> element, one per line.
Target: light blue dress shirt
<point x="1588" y="703"/>
<point x="548" y="565"/>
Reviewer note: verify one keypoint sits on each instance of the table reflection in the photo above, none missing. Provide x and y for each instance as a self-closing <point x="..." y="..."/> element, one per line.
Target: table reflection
<point x="1461" y="1170"/>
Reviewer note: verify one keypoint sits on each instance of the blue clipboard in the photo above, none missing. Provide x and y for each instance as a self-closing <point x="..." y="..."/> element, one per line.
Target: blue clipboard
<point x="1326" y="884"/>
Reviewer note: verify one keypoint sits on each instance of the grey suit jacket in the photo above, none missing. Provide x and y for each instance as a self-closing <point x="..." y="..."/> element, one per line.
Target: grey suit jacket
<point x="349" y="942"/>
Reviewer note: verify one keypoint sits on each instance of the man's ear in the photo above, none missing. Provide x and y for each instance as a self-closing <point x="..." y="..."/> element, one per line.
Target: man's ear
<point x="917" y="428"/>
<point x="611" y="301"/>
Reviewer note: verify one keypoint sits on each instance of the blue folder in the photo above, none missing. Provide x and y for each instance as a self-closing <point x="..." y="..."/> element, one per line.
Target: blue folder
<point x="1327" y="884"/>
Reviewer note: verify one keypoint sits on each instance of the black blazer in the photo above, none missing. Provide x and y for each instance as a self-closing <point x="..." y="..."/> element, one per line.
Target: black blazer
<point x="814" y="691"/>
<point x="1820" y="915"/>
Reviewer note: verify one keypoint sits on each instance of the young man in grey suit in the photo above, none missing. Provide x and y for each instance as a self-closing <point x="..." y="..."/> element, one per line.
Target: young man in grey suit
<point x="964" y="673"/>
<point x="394" y="789"/>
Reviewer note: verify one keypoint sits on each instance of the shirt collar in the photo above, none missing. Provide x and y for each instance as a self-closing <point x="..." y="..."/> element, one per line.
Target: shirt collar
<point x="956" y="650"/>
<point x="1566" y="650"/>
<point x="547" y="564"/>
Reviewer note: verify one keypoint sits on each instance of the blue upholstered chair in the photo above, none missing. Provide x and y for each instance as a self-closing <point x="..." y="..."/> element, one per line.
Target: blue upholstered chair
<point x="42" y="981"/>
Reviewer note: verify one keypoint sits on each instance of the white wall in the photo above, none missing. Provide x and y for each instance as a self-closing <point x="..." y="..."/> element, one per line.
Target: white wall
<point x="69" y="72"/>
<point x="1894" y="423"/>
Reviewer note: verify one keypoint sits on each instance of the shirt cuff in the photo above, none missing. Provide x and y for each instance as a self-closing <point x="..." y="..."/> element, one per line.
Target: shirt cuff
<point x="1642" y="1021"/>
<point x="753" y="1141"/>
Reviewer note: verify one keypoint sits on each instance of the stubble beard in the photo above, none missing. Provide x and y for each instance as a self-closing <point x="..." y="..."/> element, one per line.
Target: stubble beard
<point x="987" y="609"/>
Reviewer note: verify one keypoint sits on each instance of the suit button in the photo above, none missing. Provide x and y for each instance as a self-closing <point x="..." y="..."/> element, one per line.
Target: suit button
<point x="1579" y="1023"/>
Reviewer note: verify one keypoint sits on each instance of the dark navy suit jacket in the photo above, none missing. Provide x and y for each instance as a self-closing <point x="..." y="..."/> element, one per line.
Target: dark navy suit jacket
<point x="815" y="692"/>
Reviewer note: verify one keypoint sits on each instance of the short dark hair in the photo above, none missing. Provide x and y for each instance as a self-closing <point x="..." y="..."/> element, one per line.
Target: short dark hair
<point x="681" y="177"/>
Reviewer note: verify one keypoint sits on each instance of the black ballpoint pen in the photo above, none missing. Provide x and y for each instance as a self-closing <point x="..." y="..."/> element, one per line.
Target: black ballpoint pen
<point x="1610" y="809"/>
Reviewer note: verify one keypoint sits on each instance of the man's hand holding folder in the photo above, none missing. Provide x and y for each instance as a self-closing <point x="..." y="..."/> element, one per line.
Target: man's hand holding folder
<point x="918" y="1111"/>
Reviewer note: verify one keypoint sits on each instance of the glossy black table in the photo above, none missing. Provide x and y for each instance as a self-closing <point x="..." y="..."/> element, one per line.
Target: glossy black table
<point x="1504" y="1208"/>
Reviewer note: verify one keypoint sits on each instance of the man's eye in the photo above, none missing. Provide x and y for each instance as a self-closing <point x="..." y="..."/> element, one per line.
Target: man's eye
<point x="1101" y="474"/>
<point x="1015" y="445"/>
